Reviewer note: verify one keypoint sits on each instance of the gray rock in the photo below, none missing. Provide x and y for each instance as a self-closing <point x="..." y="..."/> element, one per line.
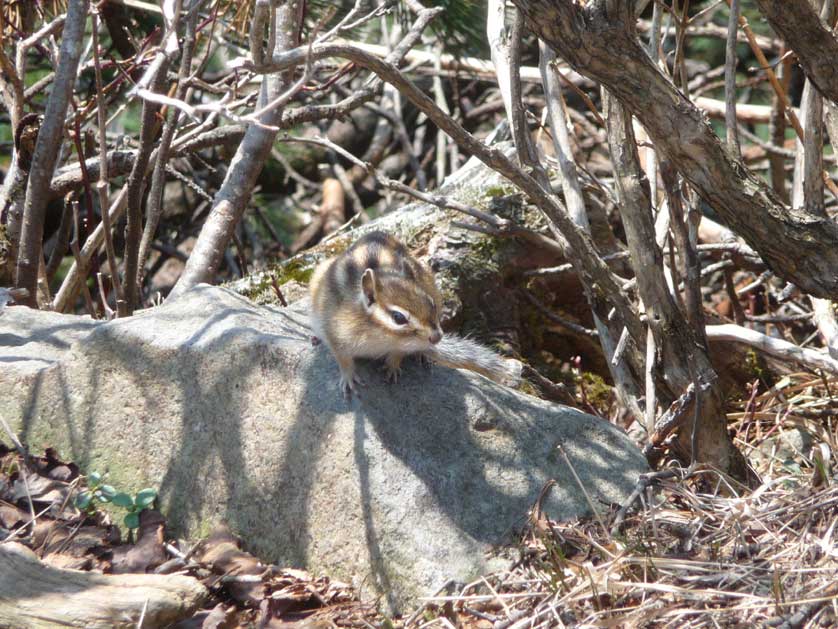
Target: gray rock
<point x="794" y="444"/>
<point x="228" y="408"/>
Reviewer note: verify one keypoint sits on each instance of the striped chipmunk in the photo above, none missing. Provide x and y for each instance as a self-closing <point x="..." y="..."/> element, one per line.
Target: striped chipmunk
<point x="376" y="301"/>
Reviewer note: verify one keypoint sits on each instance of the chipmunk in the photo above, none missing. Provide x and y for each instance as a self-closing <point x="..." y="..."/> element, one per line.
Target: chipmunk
<point x="376" y="301"/>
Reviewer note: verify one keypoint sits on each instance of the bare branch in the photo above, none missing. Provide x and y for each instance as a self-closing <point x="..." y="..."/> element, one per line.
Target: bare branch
<point x="775" y="347"/>
<point x="23" y="46"/>
<point x="102" y="184"/>
<point x="46" y="150"/>
<point x="136" y="180"/>
<point x="731" y="59"/>
<point x="231" y="199"/>
<point x="155" y="196"/>
<point x="814" y="43"/>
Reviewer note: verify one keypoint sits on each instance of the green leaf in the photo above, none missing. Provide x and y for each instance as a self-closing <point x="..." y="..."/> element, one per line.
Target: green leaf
<point x="94" y="478"/>
<point x="102" y="498"/>
<point x="132" y="520"/>
<point x="792" y="466"/>
<point x="145" y="498"/>
<point x="83" y="500"/>
<point x="122" y="500"/>
<point x="107" y="491"/>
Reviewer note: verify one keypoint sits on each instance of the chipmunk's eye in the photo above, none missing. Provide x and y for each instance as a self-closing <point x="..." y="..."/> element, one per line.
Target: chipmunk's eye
<point x="398" y="317"/>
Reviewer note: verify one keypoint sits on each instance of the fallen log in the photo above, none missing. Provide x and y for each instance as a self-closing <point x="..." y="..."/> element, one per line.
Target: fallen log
<point x="34" y="595"/>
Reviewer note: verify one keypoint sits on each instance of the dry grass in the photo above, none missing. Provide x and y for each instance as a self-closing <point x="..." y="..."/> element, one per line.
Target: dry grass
<point x="696" y="553"/>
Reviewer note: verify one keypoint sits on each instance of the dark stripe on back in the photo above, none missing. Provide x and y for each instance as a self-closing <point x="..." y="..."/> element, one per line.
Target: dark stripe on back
<point x="351" y="272"/>
<point x="381" y="239"/>
<point x="332" y="279"/>
<point x="376" y="243"/>
<point x="407" y="268"/>
<point x="377" y="237"/>
<point x="372" y="261"/>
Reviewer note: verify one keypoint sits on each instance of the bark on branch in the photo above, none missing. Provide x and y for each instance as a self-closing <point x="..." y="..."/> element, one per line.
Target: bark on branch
<point x="797" y="245"/>
<point x="255" y="148"/>
<point x="46" y="150"/>
<point x="684" y="359"/>
<point x="814" y="43"/>
<point x="34" y="594"/>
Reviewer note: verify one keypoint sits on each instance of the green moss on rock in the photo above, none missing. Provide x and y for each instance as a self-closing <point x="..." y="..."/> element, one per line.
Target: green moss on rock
<point x="597" y="391"/>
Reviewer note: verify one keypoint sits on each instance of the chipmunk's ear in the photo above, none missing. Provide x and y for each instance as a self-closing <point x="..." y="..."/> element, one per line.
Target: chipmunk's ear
<point x="368" y="285"/>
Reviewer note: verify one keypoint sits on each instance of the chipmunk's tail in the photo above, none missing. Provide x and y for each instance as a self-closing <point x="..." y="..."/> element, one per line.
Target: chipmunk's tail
<point x="461" y="353"/>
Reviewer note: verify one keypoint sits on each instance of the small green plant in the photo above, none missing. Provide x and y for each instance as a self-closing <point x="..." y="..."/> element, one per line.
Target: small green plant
<point x="98" y="491"/>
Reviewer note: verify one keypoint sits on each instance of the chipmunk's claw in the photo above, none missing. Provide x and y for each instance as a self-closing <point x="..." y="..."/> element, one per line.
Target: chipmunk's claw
<point x="349" y="384"/>
<point x="393" y="367"/>
<point x="393" y="374"/>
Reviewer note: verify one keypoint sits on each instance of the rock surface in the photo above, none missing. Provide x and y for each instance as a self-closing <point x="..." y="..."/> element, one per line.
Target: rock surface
<point x="228" y="408"/>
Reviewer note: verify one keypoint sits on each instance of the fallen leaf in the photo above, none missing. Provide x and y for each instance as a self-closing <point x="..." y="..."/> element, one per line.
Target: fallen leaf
<point x="41" y="489"/>
<point x="12" y="516"/>
<point x="148" y="552"/>
<point x="223" y="555"/>
<point x="220" y="617"/>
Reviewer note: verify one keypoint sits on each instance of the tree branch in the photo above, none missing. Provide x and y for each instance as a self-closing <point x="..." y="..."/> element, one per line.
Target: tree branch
<point x="255" y="148"/>
<point x="46" y="151"/>
<point x="814" y="43"/>
<point x="797" y="245"/>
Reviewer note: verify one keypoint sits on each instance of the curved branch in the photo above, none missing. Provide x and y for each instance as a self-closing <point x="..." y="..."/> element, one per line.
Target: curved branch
<point x="814" y="43"/>
<point x="797" y="245"/>
<point x="593" y="272"/>
<point x="120" y="162"/>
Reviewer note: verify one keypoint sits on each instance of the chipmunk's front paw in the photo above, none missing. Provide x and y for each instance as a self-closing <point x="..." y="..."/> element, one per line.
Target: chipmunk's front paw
<point x="393" y="374"/>
<point x="393" y="367"/>
<point x="349" y="384"/>
<point x="425" y="361"/>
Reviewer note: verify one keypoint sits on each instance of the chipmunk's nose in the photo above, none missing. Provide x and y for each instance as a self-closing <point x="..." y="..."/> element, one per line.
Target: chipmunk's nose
<point x="436" y="336"/>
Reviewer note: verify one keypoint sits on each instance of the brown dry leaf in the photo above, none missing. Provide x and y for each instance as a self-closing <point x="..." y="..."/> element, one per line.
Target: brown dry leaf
<point x="148" y="552"/>
<point x="219" y="617"/>
<point x="65" y="561"/>
<point x="51" y="466"/>
<point x="41" y="489"/>
<point x="56" y="469"/>
<point x="62" y="473"/>
<point x="68" y="547"/>
<point x="222" y="554"/>
<point x="12" y="516"/>
<point x="306" y="623"/>
<point x="468" y="621"/>
<point x="45" y="529"/>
